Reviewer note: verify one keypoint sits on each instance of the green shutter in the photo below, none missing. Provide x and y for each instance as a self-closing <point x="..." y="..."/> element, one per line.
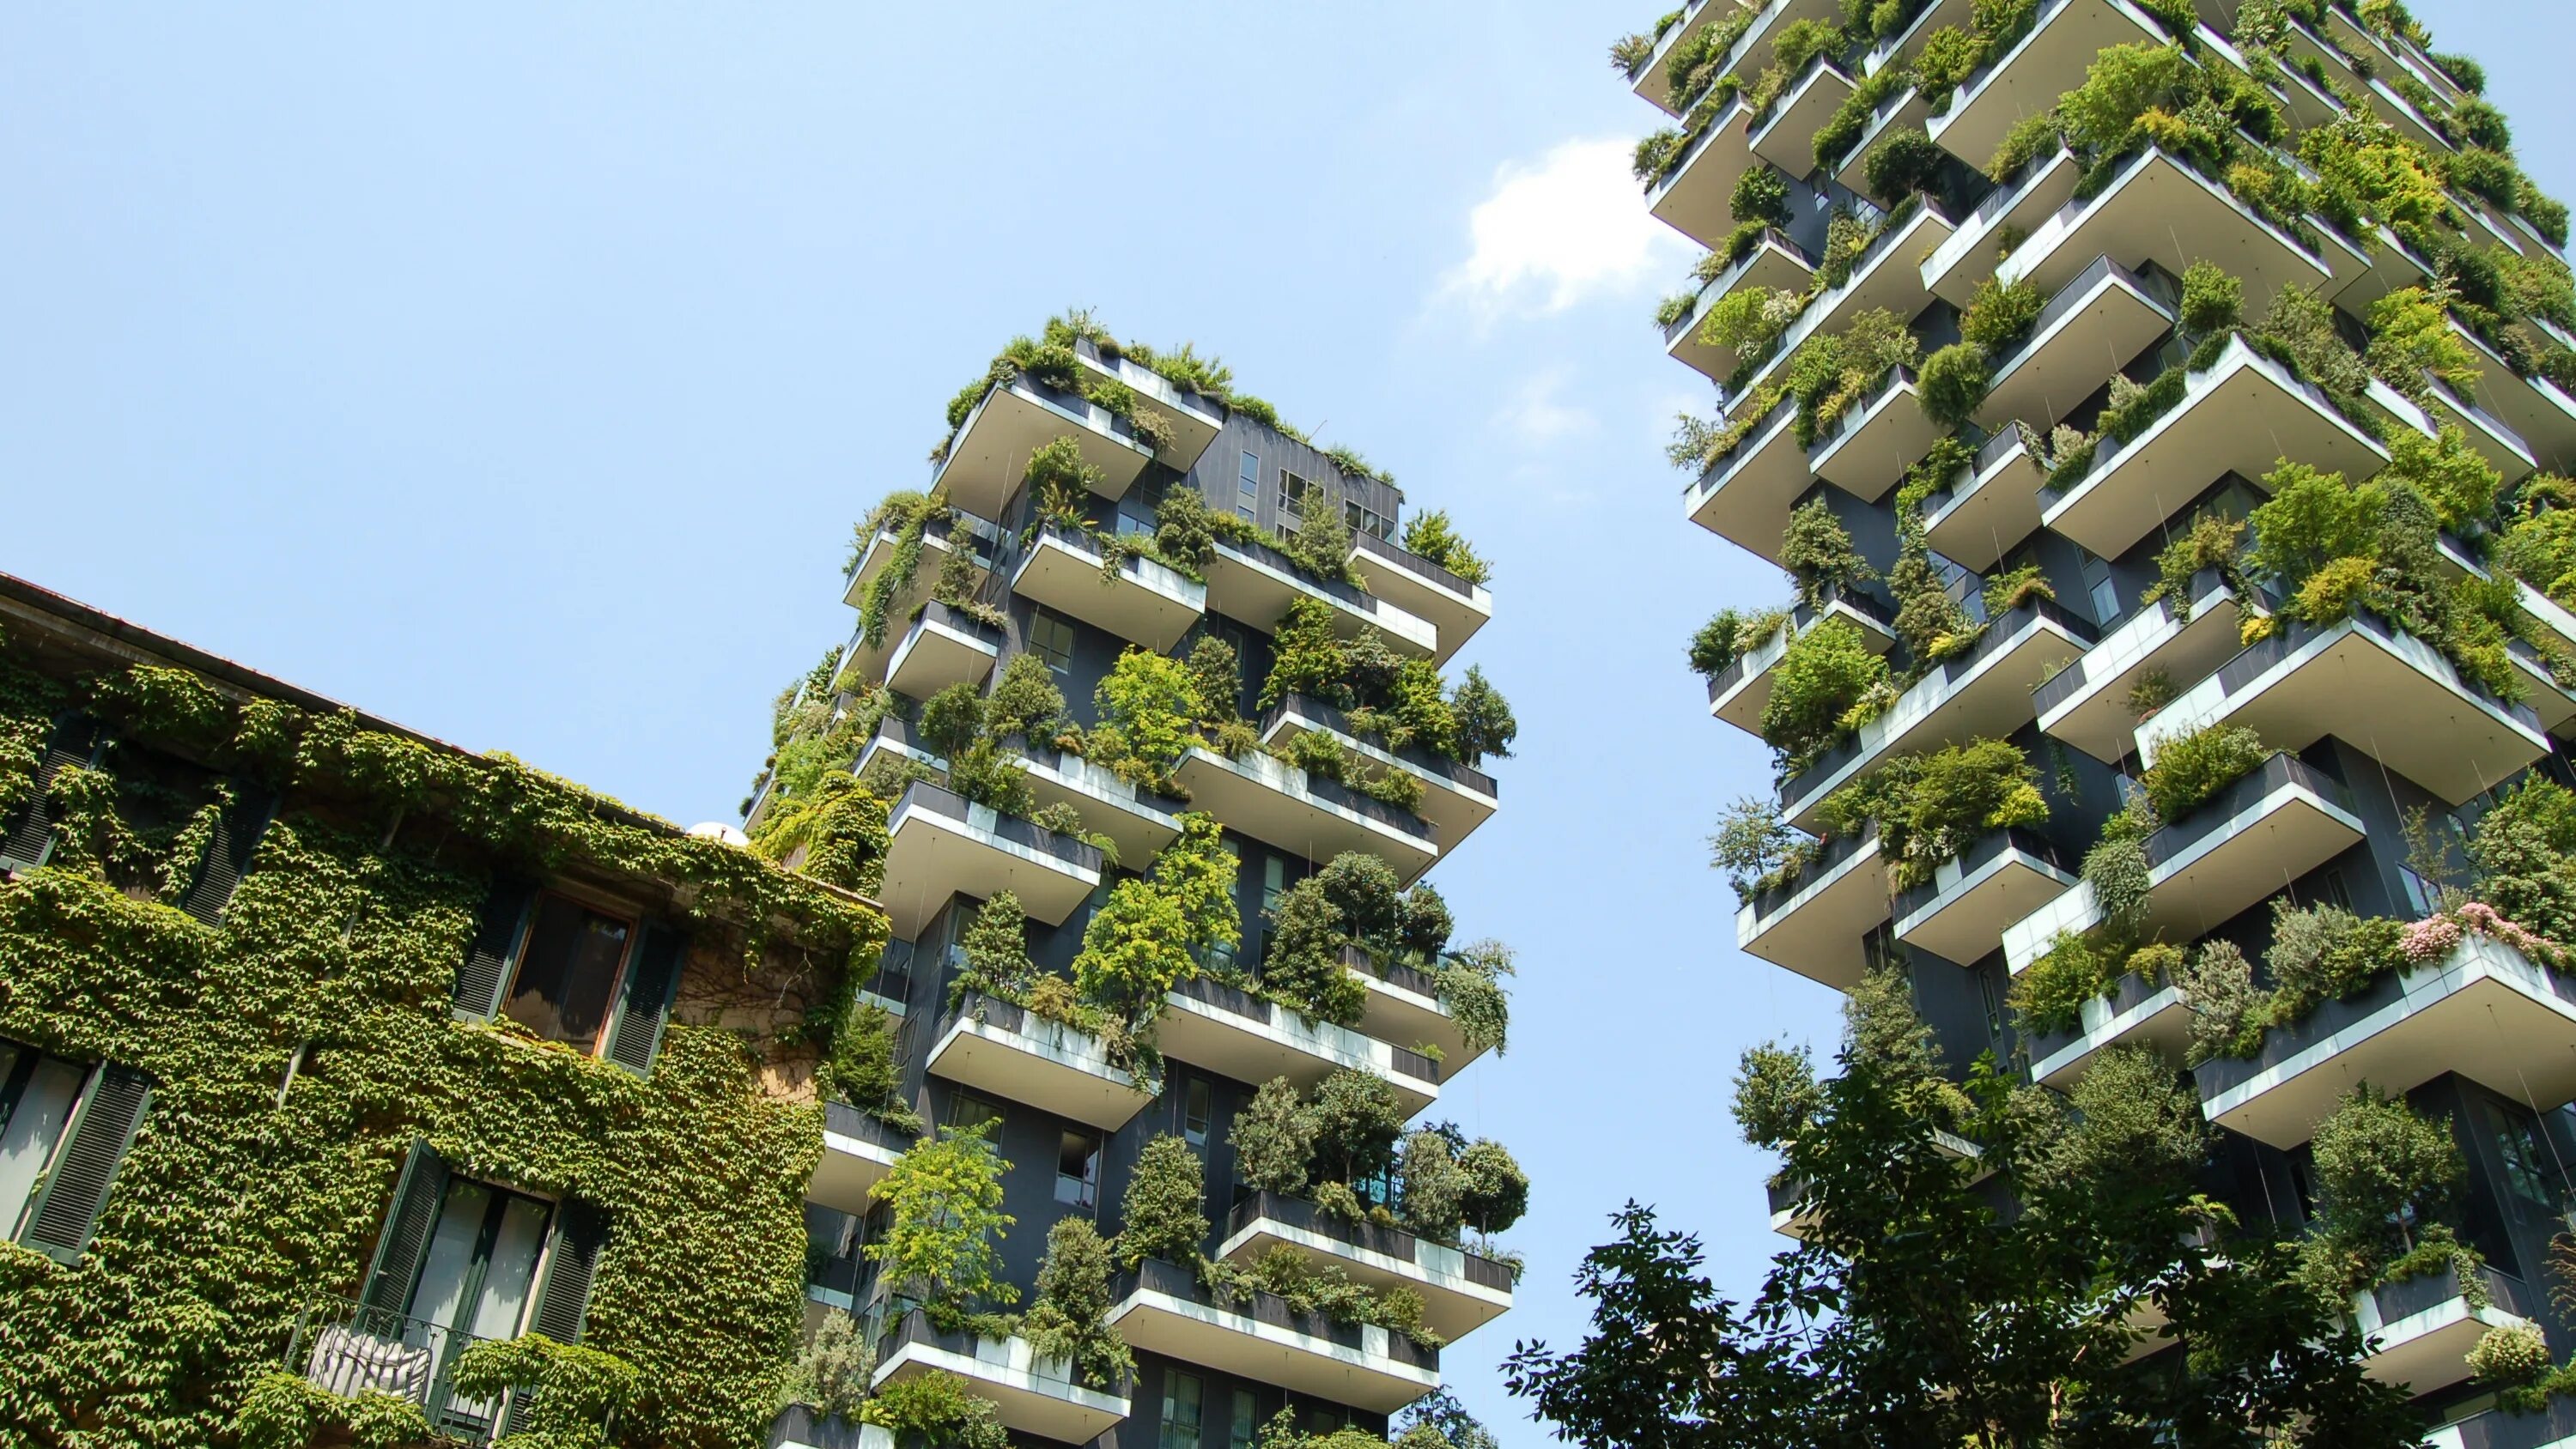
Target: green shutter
<point x="227" y="859"/>
<point x="563" y="1299"/>
<point x="636" y="1034"/>
<point x="74" y="1192"/>
<point x="487" y="961"/>
<point x="409" y="1220"/>
<point x="30" y="834"/>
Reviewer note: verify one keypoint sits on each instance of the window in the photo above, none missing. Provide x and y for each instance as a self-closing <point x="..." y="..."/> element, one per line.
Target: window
<point x="1364" y="520"/>
<point x="567" y="972"/>
<point x="2097" y="584"/>
<point x="2525" y="1159"/>
<point x="2420" y="894"/>
<point x="1197" y="1104"/>
<point x="1077" y="1170"/>
<point x="1274" y="881"/>
<point x="1244" y="1431"/>
<point x="1292" y="496"/>
<point x="833" y="1261"/>
<point x="1222" y="956"/>
<point x="481" y="1267"/>
<point x="1052" y="639"/>
<point x="36" y="1097"/>
<point x="64" y="1131"/>
<point x="1180" y="1411"/>
<point x="1247" y="488"/>
<point x="966" y="1110"/>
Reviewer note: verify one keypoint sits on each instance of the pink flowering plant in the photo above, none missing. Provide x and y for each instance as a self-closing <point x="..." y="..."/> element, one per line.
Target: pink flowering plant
<point x="2436" y="936"/>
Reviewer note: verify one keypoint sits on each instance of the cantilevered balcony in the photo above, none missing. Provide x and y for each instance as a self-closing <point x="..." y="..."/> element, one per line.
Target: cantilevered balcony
<point x="940" y="844"/>
<point x="1958" y="913"/>
<point x="1776" y="264"/>
<point x="1005" y="1049"/>
<point x="802" y="1426"/>
<point x="2552" y="1428"/>
<point x="2484" y="1011"/>
<point x="1983" y="693"/>
<point x="1256" y="583"/>
<point x="2250" y="841"/>
<point x="1163" y="1309"/>
<point x="1193" y="419"/>
<point x="1744" y="495"/>
<point x="1036" y="1396"/>
<point x="1884" y="275"/>
<point x="1281" y="805"/>
<point x="1904" y="111"/>
<point x="941" y="647"/>
<point x="1137" y="820"/>
<point x="2087" y="704"/>
<point x="1209" y="1024"/>
<point x="2394" y="266"/>
<point x="1404" y="1004"/>
<point x="2552" y="703"/>
<point x="2047" y="62"/>
<point x="2538" y="412"/>
<point x="1989" y="507"/>
<point x="1461" y="1291"/>
<point x="2421" y="1330"/>
<point x="1456" y="798"/>
<point x="2242" y="415"/>
<point x="2017" y="206"/>
<point x="1867" y="450"/>
<point x="2139" y="1013"/>
<point x="1016" y="418"/>
<point x="895" y="738"/>
<point x="2499" y="444"/>
<point x="1141" y="600"/>
<point x="1814" y="923"/>
<point x="1784" y="134"/>
<point x="937" y="537"/>
<point x="1740" y="692"/>
<point x="1454" y="607"/>
<point x="1692" y="197"/>
<point x="1751" y="52"/>
<point x="1907" y="44"/>
<point x="2554" y="621"/>
<point x="2389" y="694"/>
<point x="2158" y="209"/>
<point x="858" y="1151"/>
<point x="2090" y="329"/>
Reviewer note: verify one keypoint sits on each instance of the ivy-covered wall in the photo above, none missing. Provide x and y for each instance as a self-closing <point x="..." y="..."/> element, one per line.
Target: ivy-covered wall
<point x="299" y="1046"/>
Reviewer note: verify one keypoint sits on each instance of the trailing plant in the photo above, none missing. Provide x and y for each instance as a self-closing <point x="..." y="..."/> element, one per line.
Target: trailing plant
<point x="1928" y="808"/>
<point x="1818" y="553"/>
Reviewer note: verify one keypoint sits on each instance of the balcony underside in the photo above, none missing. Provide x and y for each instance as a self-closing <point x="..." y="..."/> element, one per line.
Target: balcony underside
<point x="1964" y="921"/>
<point x="991" y="452"/>
<point x="1772" y="267"/>
<point x="1454" y="612"/>
<point x="1881" y="439"/>
<point x="2030" y="77"/>
<point x="1741" y="705"/>
<point x="1033" y="1398"/>
<point x="1786" y="138"/>
<point x="2059" y="367"/>
<point x="2161" y="1023"/>
<point x="1045" y="1064"/>
<point x="1972" y="254"/>
<point x="1272" y="802"/>
<point x="1141" y="601"/>
<point x="1454" y="807"/>
<point x="1996" y="510"/>
<point x="1241" y="1344"/>
<point x="2430" y="1350"/>
<point x="1242" y="584"/>
<point x="850" y="1166"/>
<point x="1818" y="932"/>
<point x="2503" y="449"/>
<point x="2391" y="268"/>
<point x="2538" y="413"/>
<point x="1408" y="1016"/>
<point x="1285" y="1045"/>
<point x="933" y="655"/>
<point x="880" y="553"/>
<point x="933" y="854"/>
<point x="1693" y="201"/>
<point x="1107" y="804"/>
<point x="2162" y="211"/>
<point x="1909" y="113"/>
<point x="2098" y="719"/>
<point x="1747" y="500"/>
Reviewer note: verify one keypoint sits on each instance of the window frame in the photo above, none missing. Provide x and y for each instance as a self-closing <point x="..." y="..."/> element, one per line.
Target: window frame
<point x="632" y="919"/>
<point x="1198" y="1099"/>
<point x="1049" y="620"/>
<point x="13" y="1095"/>
<point x="1292" y="501"/>
<point x="1247" y="486"/>
<point x="1086" y="1188"/>
<point x="549" y="1233"/>
<point x="1163" y="1437"/>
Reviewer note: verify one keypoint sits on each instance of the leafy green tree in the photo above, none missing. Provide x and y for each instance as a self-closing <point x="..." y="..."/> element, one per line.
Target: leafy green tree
<point x="1216" y="681"/>
<point x="1430" y="535"/>
<point x="1822" y="676"/>
<point x="1274" y="1138"/>
<point x="1152" y="932"/>
<point x="1164" y="1214"/>
<point x="1358" y="1122"/>
<point x="946" y="1201"/>
<point x="1433" y="1190"/>
<point x="1496" y="1191"/>
<point x="1307" y="657"/>
<point x="995" y="944"/>
<point x="1482" y="718"/>
<point x="1146" y="703"/>
<point x="1026" y="701"/>
<point x="1070" y="1318"/>
<point x="951" y="719"/>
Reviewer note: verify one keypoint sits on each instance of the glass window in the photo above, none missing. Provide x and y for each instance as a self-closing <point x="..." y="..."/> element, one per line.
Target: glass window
<point x="1274" y="881"/>
<point x="2525" y="1170"/>
<point x="965" y="1110"/>
<point x="1247" y="488"/>
<point x="1363" y="520"/>
<point x="1052" y="639"/>
<point x="1244" y="1431"/>
<point x="567" y="972"/>
<point x="1181" y="1411"/>
<point x="1197" y="1105"/>
<point x="481" y="1265"/>
<point x="1077" y="1170"/>
<point x="1292" y="496"/>
<point x="2419" y="891"/>
<point x="37" y="1093"/>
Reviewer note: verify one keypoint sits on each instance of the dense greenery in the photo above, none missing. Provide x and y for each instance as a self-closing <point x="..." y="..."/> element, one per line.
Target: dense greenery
<point x="1926" y="809"/>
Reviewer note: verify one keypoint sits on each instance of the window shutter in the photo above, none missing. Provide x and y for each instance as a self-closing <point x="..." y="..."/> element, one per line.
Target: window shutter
<point x="102" y="1127"/>
<point x="636" y="1035"/>
<point x="404" y="1238"/>
<point x="487" y="960"/>
<point x="563" y="1300"/>
<point x="30" y="836"/>
<point x="237" y="833"/>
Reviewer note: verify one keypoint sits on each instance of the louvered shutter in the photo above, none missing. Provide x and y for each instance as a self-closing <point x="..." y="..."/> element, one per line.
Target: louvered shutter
<point x="636" y="1035"/>
<point x="409" y="1219"/>
<point x="30" y="836"/>
<point x="102" y="1127"/>
<point x="227" y="860"/>
<point x="563" y="1299"/>
<point x="487" y="960"/>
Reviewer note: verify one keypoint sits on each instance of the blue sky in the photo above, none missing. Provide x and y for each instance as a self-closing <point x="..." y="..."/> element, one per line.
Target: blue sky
<point x="517" y="372"/>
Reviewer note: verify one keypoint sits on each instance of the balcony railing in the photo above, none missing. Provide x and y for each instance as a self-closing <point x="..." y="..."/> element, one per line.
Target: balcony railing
<point x="1802" y="617"/>
<point x="1339" y="1044"/>
<point x="1465" y="777"/>
<point x="1725" y="281"/>
<point x="2552" y="1428"/>
<point x="2070" y="681"/>
<point x="346" y="1348"/>
<point x="1163" y="1308"/>
<point x="2137" y="1010"/>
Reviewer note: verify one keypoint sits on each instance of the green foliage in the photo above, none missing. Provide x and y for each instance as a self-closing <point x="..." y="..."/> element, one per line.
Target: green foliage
<point x="1151" y="933"/>
<point x="2213" y="301"/>
<point x="1952" y="384"/>
<point x="2124" y="83"/>
<point x="1321" y="544"/>
<point x="2001" y="315"/>
<point x="1932" y="625"/>
<point x="1928" y="808"/>
<point x="1761" y="195"/>
<point x="2050" y="993"/>
<point x="1497" y="1190"/>
<point x="2191" y="769"/>
<point x="995" y="945"/>
<point x="1274" y="1138"/>
<point x="1433" y="537"/>
<point x="282" y="1410"/>
<point x="2323" y="953"/>
<point x="1025" y="700"/>
<point x="1357" y="1123"/>
<point x="2524" y="854"/>
<point x="2311" y="520"/>
<point x="1471" y="987"/>
<point x="1481" y="718"/>
<point x="835" y="1367"/>
<point x="1822" y="676"/>
<point x="936" y="1410"/>
<point x="1307" y="657"/>
<point x="1818" y="553"/>
<point x="575" y="1391"/>
<point x="1755" y="846"/>
<point x="1069" y="1319"/>
<point x="1729" y="635"/>
<point x="2383" y="1171"/>
<point x="1164" y="1214"/>
<point x="1215" y="679"/>
<point x="2411" y="335"/>
<point x="945" y="1196"/>
<point x="1907" y="163"/>
<point x="1147" y="705"/>
<point x="1776" y="1094"/>
<point x="2451" y="475"/>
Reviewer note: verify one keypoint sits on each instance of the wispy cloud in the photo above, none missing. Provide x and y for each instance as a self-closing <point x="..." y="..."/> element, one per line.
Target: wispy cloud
<point x="1558" y="231"/>
<point x="1537" y="416"/>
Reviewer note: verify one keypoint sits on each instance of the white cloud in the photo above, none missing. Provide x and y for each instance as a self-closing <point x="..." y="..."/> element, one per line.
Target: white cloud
<point x="1562" y="230"/>
<point x="1537" y="417"/>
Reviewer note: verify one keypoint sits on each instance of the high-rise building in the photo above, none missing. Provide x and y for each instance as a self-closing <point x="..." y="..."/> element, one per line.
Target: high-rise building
<point x="2159" y="408"/>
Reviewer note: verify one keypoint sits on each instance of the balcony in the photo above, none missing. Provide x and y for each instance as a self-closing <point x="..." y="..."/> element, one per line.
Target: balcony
<point x="2545" y="612"/>
<point x="1883" y="275"/>
<point x="1692" y="198"/>
<point x="1815" y="922"/>
<point x="2138" y="1013"/>
<point x="1036" y="1396"/>
<point x="1454" y="607"/>
<point x="1456" y="798"/>
<point x="1990" y="507"/>
<point x="802" y="1426"/>
<point x="2421" y="1330"/>
<point x="2551" y="702"/>
<point x="1792" y="1216"/>
<point x="1461" y="1291"/>
<point x="942" y="845"/>
<point x="1141" y="600"/>
<point x="2045" y="64"/>
<point x="942" y="647"/>
<point x="2091" y="328"/>
<point x="2016" y="207"/>
<point x="1745" y="494"/>
<point x="2501" y="446"/>
<point x="1983" y="693"/>
<point x="2387" y="693"/>
<point x="2250" y="841"/>
<point x="2156" y="208"/>
<point x="1785" y="134"/>
<point x="1002" y="1048"/>
<point x="1866" y="450"/>
<point x="1016" y="418"/>
<point x="1740" y="692"/>
<point x="2541" y="415"/>
<point x="1194" y="419"/>
<point x="1749" y="54"/>
<point x="1999" y="880"/>
<point x="1404" y="1005"/>
<point x="1776" y="264"/>
<point x="1279" y="804"/>
<point x="894" y="738"/>
<point x="1137" y="820"/>
<point x="937" y="537"/>
<point x="2553" y="1428"/>
<point x="1162" y="1309"/>
<point x="346" y="1348"/>
<point x="1256" y="583"/>
<point x="2393" y="267"/>
<point x="1224" y="1029"/>
<point x="2087" y="705"/>
<point x="2243" y="415"/>
<point x="1904" y="111"/>
<point x="858" y="1151"/>
<point x="2485" y="1011"/>
<point x="1907" y="44"/>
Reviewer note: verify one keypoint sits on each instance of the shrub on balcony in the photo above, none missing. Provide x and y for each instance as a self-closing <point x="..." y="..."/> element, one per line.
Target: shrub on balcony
<point x="1761" y="195"/>
<point x="1952" y="384"/>
<point x="1471" y="989"/>
<point x="1908" y="163"/>
<point x="2226" y="1006"/>
<point x="2212" y="300"/>
<point x="2213" y="542"/>
<point x="2050" y="993"/>
<point x="937" y="1408"/>
<point x="1484" y="719"/>
<point x="2116" y="867"/>
<point x="2524" y="854"/>
<point x="2411" y="336"/>
<point x="1821" y="677"/>
<point x="2383" y="1174"/>
<point x="996" y="947"/>
<point x="1324" y="1288"/>
<point x="840" y="828"/>
<point x="2451" y="475"/>
<point x="1729" y="635"/>
<point x="833" y="1371"/>
<point x="1832" y="374"/>
<point x="1307" y="657"/>
<point x="1756" y="847"/>
<point x="1747" y="320"/>
<point x="1164" y="1214"/>
<point x="2001" y="314"/>
<point x="2323" y="953"/>
<point x="2191" y="769"/>
<point x="1069" y="1319"/>
<point x="2539" y="546"/>
<point x="1431" y="536"/>
<point x="2017" y="589"/>
<point x="1928" y="808"/>
<point x="1932" y="625"/>
<point x="945" y="1201"/>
